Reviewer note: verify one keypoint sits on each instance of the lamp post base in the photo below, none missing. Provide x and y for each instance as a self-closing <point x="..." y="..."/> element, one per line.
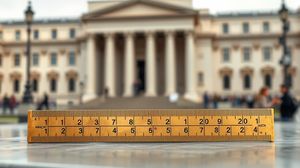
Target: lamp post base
<point x="27" y="98"/>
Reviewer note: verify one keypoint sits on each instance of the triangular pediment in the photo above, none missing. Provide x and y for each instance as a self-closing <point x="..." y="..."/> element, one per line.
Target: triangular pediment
<point x="139" y="8"/>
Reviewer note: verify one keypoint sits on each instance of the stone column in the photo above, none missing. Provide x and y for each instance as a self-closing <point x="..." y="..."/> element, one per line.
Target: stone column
<point x="170" y="64"/>
<point x="190" y="61"/>
<point x="90" y="76"/>
<point x="129" y="65"/>
<point x="110" y="78"/>
<point x="151" y="88"/>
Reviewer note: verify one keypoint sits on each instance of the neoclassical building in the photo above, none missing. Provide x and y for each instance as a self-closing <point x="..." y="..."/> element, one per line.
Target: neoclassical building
<point x="164" y="45"/>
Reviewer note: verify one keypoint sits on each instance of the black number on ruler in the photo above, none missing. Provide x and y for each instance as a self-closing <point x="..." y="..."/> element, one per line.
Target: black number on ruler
<point x="113" y="121"/>
<point x="186" y="130"/>
<point x="79" y="122"/>
<point x="150" y="130"/>
<point x="149" y="121"/>
<point x="62" y="122"/>
<point x="80" y="130"/>
<point x="255" y="129"/>
<point x="46" y="122"/>
<point x="243" y="121"/>
<point x="219" y="121"/>
<point x="257" y="121"/>
<point x="168" y="122"/>
<point x="132" y="130"/>
<point x="228" y="130"/>
<point x="216" y="129"/>
<point x="115" y="130"/>
<point x="201" y="129"/>
<point x="63" y="131"/>
<point x="203" y="121"/>
<point x="46" y="131"/>
<point x="185" y="121"/>
<point x="168" y="130"/>
<point x="97" y="130"/>
<point x="96" y="122"/>
<point x="242" y="130"/>
<point x="131" y="122"/>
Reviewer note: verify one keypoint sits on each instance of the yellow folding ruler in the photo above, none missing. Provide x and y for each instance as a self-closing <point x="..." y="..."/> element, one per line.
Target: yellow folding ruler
<point x="180" y="125"/>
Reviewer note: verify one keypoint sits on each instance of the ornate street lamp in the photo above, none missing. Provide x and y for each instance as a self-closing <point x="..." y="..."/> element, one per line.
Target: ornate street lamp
<point x="286" y="57"/>
<point x="27" y="98"/>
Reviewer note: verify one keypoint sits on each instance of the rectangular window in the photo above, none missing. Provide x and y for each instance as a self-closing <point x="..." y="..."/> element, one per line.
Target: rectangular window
<point x="16" y="86"/>
<point x="54" y="34"/>
<point x="268" y="81"/>
<point x="17" y="60"/>
<point x="72" y="59"/>
<point x="72" y="33"/>
<point x="266" y="27"/>
<point x="226" y="55"/>
<point x="226" y="82"/>
<point x="246" y="54"/>
<point x="35" y="85"/>
<point x="246" y="27"/>
<point x="18" y="35"/>
<point x="53" y="85"/>
<point x="53" y="59"/>
<point x="35" y="59"/>
<point x="225" y="28"/>
<point x="267" y="54"/>
<point x="247" y="82"/>
<point x="72" y="85"/>
<point x="200" y="79"/>
<point x="36" y="34"/>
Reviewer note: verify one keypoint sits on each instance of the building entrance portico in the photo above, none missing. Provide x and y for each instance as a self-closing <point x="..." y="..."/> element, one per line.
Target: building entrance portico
<point x="160" y="57"/>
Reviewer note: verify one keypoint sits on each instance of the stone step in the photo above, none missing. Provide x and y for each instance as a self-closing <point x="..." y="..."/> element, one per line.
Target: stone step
<point x="137" y="103"/>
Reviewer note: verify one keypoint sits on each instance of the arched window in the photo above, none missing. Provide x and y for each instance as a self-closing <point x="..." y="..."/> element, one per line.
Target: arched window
<point x="35" y="85"/>
<point x="16" y="86"/>
<point x="268" y="81"/>
<point x="247" y="82"/>
<point x="226" y="82"/>
<point x="72" y="85"/>
<point x="53" y="85"/>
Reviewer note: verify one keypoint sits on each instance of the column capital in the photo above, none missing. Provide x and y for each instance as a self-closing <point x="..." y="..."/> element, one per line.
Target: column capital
<point x="189" y="32"/>
<point x="90" y="35"/>
<point x="150" y="32"/>
<point x="109" y="34"/>
<point x="169" y="32"/>
<point x="129" y="34"/>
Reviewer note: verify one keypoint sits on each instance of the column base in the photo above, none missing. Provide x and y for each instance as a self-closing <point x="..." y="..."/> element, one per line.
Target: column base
<point x="128" y="95"/>
<point x="150" y="94"/>
<point x="192" y="96"/>
<point x="88" y="97"/>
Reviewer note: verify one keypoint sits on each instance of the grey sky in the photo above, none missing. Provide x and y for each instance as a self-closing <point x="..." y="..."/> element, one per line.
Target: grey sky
<point x="14" y="9"/>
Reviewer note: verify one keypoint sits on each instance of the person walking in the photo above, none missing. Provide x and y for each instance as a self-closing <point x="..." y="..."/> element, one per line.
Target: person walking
<point x="288" y="105"/>
<point x="44" y="103"/>
<point x="206" y="100"/>
<point x="262" y="100"/>
<point x="5" y="104"/>
<point x="12" y="104"/>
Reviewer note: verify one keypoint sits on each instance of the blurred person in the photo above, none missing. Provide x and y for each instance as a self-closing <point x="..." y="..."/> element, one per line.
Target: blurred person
<point x="262" y="100"/>
<point x="206" y="100"/>
<point x="44" y="103"/>
<point x="250" y="101"/>
<point x="12" y="104"/>
<point x="288" y="105"/>
<point x="5" y="104"/>
<point x="215" y="100"/>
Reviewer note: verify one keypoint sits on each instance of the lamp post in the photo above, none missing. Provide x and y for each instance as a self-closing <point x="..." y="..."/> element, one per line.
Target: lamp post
<point x="27" y="98"/>
<point x="286" y="57"/>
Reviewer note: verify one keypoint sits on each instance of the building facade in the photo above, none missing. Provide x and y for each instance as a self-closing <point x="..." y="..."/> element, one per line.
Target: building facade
<point x="164" y="45"/>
